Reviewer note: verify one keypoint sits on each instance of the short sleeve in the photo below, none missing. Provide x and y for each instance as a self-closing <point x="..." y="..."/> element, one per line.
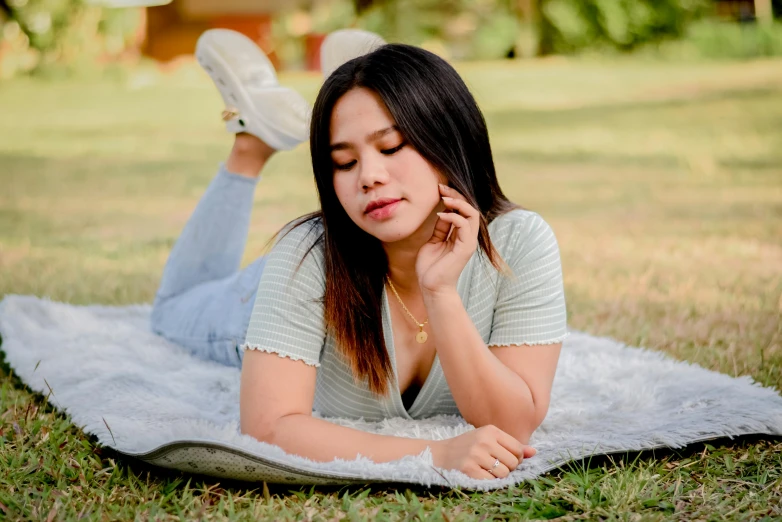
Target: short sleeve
<point x="530" y="306"/>
<point x="287" y="317"/>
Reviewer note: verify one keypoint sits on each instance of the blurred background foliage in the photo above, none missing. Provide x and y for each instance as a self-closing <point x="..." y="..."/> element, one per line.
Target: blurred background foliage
<point x="58" y="37"/>
<point x="572" y="25"/>
<point x="66" y="37"/>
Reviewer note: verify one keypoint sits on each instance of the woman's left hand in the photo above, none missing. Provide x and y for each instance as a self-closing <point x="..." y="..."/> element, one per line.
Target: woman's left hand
<point x="441" y="260"/>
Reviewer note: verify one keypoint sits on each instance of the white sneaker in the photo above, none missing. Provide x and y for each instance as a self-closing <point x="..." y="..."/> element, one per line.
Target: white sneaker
<point x="344" y="45"/>
<point x="254" y="102"/>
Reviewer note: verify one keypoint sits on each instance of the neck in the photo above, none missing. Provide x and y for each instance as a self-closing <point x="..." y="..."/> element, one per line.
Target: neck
<point x="402" y="256"/>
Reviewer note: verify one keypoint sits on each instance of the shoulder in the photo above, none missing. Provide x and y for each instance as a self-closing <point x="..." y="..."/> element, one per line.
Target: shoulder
<point x="519" y="232"/>
<point x="301" y="230"/>
<point x="300" y="237"/>
<point x="298" y="245"/>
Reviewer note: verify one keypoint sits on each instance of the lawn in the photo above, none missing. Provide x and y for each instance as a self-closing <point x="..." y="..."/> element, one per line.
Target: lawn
<point x="663" y="183"/>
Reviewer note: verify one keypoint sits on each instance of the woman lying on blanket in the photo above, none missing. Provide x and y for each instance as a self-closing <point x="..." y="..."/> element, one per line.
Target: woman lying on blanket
<point x="417" y="289"/>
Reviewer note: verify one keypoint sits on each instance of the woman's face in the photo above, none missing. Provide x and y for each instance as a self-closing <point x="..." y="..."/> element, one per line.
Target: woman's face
<point x="386" y="187"/>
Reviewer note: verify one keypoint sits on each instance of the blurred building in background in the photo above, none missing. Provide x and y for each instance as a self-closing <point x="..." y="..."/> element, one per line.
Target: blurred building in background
<point x="172" y="30"/>
<point x="743" y="10"/>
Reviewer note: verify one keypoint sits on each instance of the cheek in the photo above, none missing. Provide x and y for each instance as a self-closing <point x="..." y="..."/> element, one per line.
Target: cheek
<point x="414" y="171"/>
<point x="425" y="179"/>
<point x="339" y="190"/>
<point x="343" y="188"/>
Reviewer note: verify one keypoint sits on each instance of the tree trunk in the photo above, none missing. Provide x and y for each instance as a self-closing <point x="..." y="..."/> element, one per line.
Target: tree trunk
<point x="763" y="12"/>
<point x="545" y="30"/>
<point x="526" y="10"/>
<point x="362" y="5"/>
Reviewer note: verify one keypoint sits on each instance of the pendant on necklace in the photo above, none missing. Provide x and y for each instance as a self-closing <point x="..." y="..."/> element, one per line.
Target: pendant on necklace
<point x="421" y="336"/>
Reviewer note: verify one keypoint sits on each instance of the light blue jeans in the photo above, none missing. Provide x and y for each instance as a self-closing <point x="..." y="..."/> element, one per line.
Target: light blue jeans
<point x="204" y="301"/>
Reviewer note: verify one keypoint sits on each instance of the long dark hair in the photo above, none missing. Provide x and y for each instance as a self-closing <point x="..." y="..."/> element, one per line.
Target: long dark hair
<point x="438" y="116"/>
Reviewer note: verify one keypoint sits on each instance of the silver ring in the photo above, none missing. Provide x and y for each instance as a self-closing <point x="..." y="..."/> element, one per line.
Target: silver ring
<point x="496" y="463"/>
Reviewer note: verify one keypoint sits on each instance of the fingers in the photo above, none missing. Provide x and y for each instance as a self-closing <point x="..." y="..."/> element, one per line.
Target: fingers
<point x="462" y="207"/>
<point x="445" y="190"/>
<point x="456" y="224"/>
<point x="481" y="473"/>
<point x="495" y="453"/>
<point x="455" y="201"/>
<point x="512" y="444"/>
<point x="461" y="227"/>
<point x="467" y="222"/>
<point x="489" y="444"/>
<point x="455" y="219"/>
<point x="441" y="230"/>
<point x="500" y="471"/>
<point x="510" y="460"/>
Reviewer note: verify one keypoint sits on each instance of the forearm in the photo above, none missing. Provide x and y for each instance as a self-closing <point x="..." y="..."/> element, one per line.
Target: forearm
<point x="321" y="440"/>
<point x="485" y="390"/>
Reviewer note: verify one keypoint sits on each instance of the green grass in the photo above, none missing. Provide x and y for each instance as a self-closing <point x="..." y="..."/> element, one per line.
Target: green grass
<point x="663" y="183"/>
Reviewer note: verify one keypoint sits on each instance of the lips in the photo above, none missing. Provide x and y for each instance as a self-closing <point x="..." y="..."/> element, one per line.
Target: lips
<point x="379" y="203"/>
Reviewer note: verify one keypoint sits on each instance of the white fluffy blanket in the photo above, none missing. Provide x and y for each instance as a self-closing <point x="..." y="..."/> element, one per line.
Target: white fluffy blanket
<point x="148" y="398"/>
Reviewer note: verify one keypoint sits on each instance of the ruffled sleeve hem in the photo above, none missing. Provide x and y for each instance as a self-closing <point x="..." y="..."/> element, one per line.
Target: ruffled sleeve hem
<point x="555" y="340"/>
<point x="293" y="357"/>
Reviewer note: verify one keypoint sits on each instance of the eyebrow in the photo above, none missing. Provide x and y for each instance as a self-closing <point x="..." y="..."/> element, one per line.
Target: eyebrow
<point x="342" y="145"/>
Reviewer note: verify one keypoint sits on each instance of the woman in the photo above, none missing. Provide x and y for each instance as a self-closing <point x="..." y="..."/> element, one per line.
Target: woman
<point x="418" y="289"/>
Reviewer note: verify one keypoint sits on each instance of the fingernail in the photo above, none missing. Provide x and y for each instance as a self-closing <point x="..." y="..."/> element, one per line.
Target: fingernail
<point x="446" y="197"/>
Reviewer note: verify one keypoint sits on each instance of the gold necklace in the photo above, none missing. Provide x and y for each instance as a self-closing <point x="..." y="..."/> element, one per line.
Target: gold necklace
<point x="421" y="336"/>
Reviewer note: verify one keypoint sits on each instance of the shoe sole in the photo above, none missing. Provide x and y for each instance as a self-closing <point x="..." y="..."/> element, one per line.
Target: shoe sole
<point x="230" y="88"/>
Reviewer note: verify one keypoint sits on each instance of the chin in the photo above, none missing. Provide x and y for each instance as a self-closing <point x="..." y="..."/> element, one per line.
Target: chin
<point x="391" y="232"/>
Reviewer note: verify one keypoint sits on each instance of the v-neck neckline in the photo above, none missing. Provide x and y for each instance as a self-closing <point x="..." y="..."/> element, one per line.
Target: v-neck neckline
<point x="427" y="387"/>
<point x="435" y="380"/>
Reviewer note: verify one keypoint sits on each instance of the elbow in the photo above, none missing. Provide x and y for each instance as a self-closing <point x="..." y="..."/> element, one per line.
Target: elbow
<point x="264" y="428"/>
<point x="530" y="421"/>
<point x="262" y="431"/>
<point x="524" y="414"/>
<point x="269" y="430"/>
<point x="522" y="423"/>
<point x="523" y="428"/>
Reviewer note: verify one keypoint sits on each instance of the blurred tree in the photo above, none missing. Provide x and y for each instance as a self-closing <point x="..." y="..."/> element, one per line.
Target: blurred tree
<point x="571" y="25"/>
<point x="456" y="28"/>
<point x="65" y="35"/>
<point x="530" y="27"/>
<point x="529" y="41"/>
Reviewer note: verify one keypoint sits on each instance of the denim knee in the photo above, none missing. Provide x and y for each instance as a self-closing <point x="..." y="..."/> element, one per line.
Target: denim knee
<point x="158" y="315"/>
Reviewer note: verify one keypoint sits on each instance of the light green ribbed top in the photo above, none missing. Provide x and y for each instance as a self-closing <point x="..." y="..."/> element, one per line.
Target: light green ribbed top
<point x="288" y="319"/>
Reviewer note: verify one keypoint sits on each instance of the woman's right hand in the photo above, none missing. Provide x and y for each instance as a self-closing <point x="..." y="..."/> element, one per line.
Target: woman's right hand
<point x="474" y="453"/>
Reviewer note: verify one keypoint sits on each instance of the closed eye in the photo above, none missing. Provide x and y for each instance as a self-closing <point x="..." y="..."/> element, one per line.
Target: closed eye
<point x="388" y="152"/>
<point x="346" y="166"/>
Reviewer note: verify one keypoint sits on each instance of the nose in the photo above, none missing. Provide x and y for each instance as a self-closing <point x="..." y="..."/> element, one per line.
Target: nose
<point x="373" y="172"/>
